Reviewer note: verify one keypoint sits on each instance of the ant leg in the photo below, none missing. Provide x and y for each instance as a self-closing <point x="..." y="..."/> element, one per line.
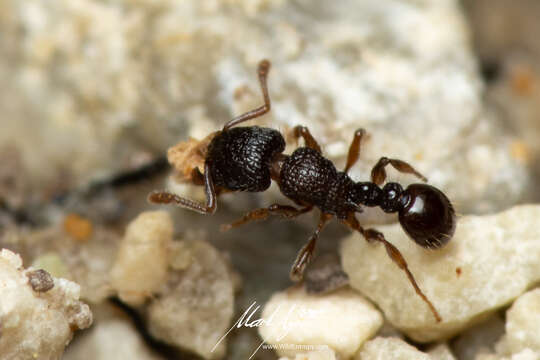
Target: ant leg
<point x="288" y="212"/>
<point x="306" y="252"/>
<point x="378" y="174"/>
<point x="164" y="197"/>
<point x="262" y="70"/>
<point x="372" y="235"/>
<point x="302" y="131"/>
<point x="354" y="149"/>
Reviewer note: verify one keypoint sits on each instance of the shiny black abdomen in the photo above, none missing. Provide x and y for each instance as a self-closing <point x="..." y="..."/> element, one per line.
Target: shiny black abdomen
<point x="307" y="177"/>
<point x="240" y="157"/>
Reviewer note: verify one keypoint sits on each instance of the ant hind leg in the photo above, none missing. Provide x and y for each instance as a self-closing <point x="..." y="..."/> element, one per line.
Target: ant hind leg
<point x="372" y="235"/>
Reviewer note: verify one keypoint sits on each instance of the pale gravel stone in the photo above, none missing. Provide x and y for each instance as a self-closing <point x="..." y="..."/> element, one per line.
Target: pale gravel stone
<point x="143" y="257"/>
<point x="195" y="307"/>
<point x="36" y="325"/>
<point x="87" y="263"/>
<point x="91" y="74"/>
<point x="112" y="337"/>
<point x="441" y="352"/>
<point x="526" y="354"/>
<point x="523" y="323"/>
<point x="113" y="340"/>
<point x="521" y="340"/>
<point x="327" y="354"/>
<point x="180" y="256"/>
<point x="341" y="320"/>
<point x="498" y="257"/>
<point x="479" y="339"/>
<point x="390" y="349"/>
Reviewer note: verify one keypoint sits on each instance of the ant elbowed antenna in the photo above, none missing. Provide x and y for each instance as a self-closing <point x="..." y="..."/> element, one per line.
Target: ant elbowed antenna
<point x="248" y="158"/>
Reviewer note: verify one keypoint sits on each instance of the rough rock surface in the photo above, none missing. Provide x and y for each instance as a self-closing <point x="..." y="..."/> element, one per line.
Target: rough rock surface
<point x="341" y="320"/>
<point x="391" y="349"/>
<point x="100" y="75"/>
<point x="504" y="38"/>
<point x="37" y="323"/>
<point x="143" y="257"/>
<point x="441" y="352"/>
<point x="490" y="261"/>
<point x="523" y="323"/>
<point x="526" y="354"/>
<point x="327" y="354"/>
<point x="509" y="51"/>
<point x="479" y="339"/>
<point x="196" y="306"/>
<point x="88" y="262"/>
<point x="521" y="340"/>
<point x="112" y="336"/>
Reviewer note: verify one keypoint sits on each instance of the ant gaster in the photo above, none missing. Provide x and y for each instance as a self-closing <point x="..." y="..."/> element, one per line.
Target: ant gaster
<point x="248" y="158"/>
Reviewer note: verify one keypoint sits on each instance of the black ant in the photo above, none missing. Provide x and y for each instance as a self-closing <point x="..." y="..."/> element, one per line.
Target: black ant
<point x="248" y="158"/>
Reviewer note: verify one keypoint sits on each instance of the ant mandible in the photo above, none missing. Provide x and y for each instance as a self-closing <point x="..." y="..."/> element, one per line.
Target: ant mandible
<point x="248" y="158"/>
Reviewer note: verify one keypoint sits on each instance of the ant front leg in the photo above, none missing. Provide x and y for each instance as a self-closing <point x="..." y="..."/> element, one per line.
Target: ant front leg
<point x="372" y="235"/>
<point x="164" y="197"/>
<point x="378" y="174"/>
<point x="286" y="211"/>
<point x="263" y="69"/>
<point x="306" y="253"/>
<point x="354" y="149"/>
<point x="302" y="131"/>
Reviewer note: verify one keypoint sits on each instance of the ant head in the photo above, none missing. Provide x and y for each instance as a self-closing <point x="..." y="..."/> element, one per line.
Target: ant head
<point x="427" y="215"/>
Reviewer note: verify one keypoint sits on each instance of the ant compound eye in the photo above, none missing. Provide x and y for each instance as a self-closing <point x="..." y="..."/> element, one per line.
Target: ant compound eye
<point x="427" y="216"/>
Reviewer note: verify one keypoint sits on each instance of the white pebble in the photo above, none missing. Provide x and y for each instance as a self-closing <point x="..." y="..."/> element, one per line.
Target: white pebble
<point x="340" y="321"/>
